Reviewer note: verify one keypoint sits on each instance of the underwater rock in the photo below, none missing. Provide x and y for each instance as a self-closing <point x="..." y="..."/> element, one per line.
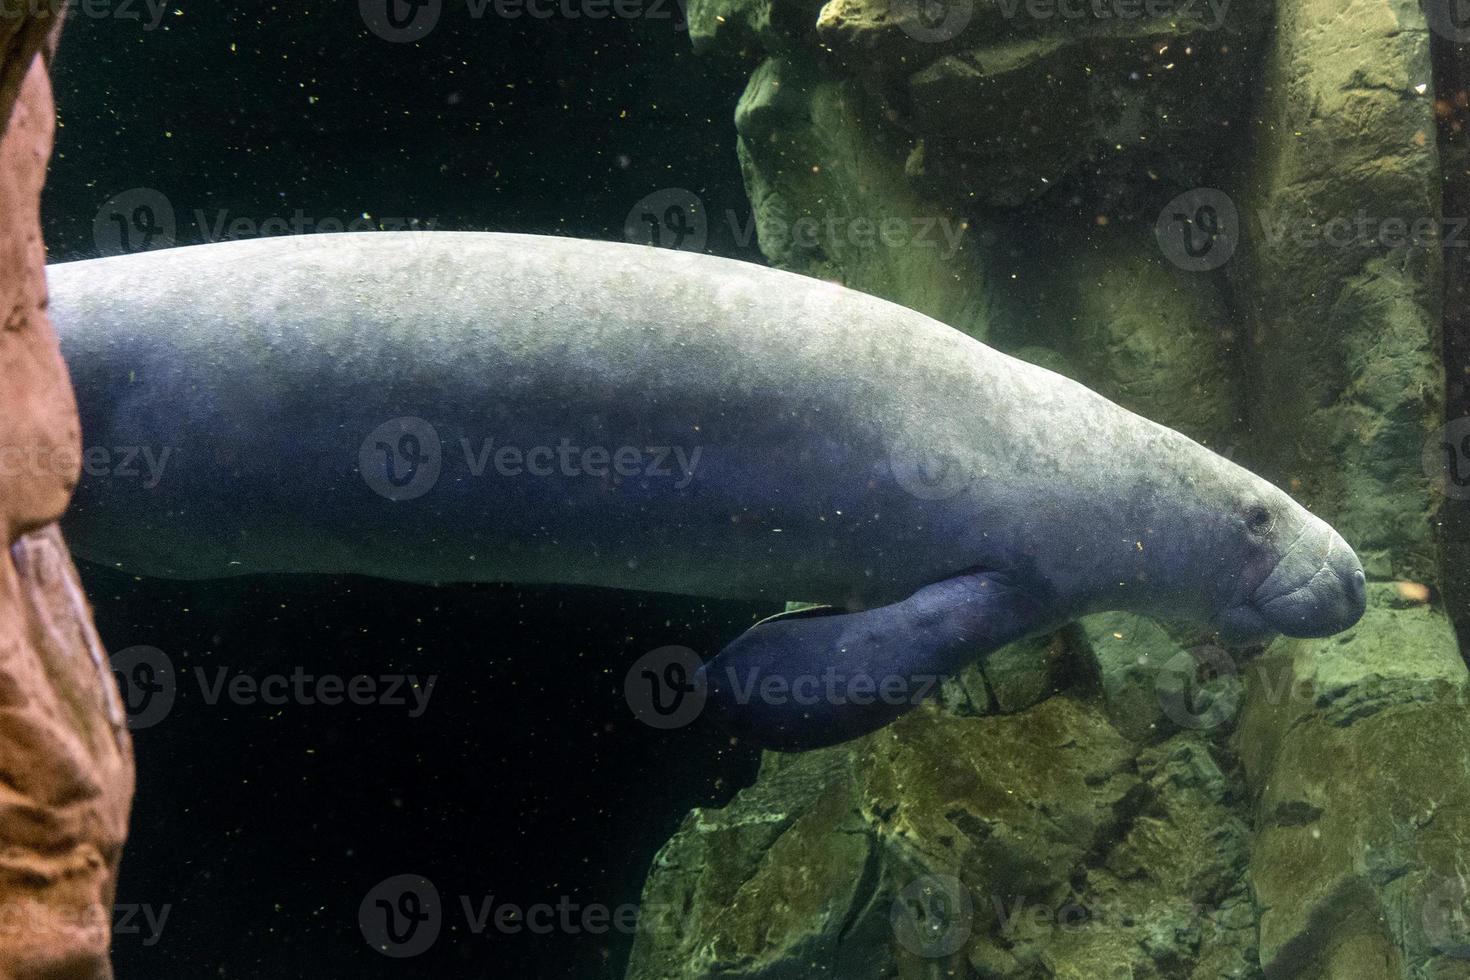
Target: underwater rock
<point x="878" y="31"/>
<point x="1345" y="145"/>
<point x="1046" y="95"/>
<point x="1357" y="749"/>
<point x="1059" y="852"/>
<point x="748" y="27"/>
<point x="1127" y="652"/>
<point x="66" y="766"/>
<point x="1355" y="746"/>
<point x="765" y="887"/>
<point x="1015" y="677"/>
<point x="1039" y="109"/>
<point x="1157" y="340"/>
<point x="831" y="201"/>
<point x="1028" y="672"/>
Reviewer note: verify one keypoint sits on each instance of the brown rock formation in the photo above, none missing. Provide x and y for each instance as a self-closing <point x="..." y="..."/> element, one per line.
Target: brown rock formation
<point x="66" y="765"/>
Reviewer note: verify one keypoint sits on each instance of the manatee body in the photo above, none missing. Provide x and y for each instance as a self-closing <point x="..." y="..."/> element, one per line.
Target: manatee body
<point x="485" y="407"/>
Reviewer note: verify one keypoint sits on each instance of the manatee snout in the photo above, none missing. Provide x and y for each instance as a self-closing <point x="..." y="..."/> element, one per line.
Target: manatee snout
<point x="1317" y="588"/>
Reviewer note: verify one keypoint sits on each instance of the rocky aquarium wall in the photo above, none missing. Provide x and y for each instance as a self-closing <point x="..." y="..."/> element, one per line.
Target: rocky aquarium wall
<point x="1238" y="219"/>
<point x="1247" y="221"/>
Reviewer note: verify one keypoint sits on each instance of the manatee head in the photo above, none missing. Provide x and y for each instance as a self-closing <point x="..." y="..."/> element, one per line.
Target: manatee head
<point x="1288" y="571"/>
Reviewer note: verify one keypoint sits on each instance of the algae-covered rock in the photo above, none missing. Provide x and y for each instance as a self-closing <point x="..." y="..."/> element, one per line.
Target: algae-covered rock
<point x="703" y="912"/>
<point x="1127" y="654"/>
<point x="1357" y="749"/>
<point x="1021" y="798"/>
<point x="888" y="36"/>
<point x="1016" y="676"/>
<point x="1342" y="305"/>
<point x="1356" y="746"/>
<point x="1030" y="671"/>
<point x="1122" y="319"/>
<point x="749" y="27"/>
<point x="826" y="181"/>
<point x="1028" y="845"/>
<point x="1037" y="109"/>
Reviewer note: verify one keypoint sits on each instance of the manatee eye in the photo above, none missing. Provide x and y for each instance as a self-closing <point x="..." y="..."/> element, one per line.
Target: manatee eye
<point x="1258" y="519"/>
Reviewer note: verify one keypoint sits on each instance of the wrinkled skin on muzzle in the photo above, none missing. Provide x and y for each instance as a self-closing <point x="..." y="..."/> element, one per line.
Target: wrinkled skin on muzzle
<point x="1316" y="587"/>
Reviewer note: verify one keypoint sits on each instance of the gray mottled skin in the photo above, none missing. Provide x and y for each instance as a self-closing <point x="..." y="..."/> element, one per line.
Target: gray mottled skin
<point x="817" y="412"/>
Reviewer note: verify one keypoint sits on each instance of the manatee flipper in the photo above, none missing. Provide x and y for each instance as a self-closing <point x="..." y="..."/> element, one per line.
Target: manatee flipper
<point x="811" y="678"/>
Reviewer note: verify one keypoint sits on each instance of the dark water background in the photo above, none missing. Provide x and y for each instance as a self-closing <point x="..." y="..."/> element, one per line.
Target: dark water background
<point x="261" y="829"/>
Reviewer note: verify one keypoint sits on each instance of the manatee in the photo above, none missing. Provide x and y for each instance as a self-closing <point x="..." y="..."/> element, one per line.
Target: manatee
<point x="487" y="407"/>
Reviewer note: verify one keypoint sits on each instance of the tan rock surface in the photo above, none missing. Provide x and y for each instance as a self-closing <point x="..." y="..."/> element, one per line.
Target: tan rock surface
<point x="66" y="764"/>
